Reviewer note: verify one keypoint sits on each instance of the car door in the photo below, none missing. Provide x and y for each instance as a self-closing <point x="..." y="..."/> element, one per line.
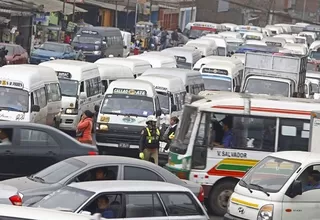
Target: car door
<point x="37" y="150"/>
<point x="131" y="172"/>
<point x="8" y="153"/>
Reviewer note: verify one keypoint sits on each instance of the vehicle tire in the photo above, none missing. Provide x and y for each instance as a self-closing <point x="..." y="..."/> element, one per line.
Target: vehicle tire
<point x="219" y="196"/>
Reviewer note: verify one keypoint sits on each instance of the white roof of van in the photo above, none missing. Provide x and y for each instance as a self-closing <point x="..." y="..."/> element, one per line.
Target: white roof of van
<point x="298" y="156"/>
<point x="23" y="212"/>
<point x="183" y="74"/>
<point x="274" y="39"/>
<point x="113" y="72"/>
<point x="218" y="59"/>
<point x="29" y="75"/>
<point x="132" y="84"/>
<point x="172" y="83"/>
<point x="69" y="65"/>
<point x="230" y="34"/>
<point x="313" y="74"/>
<point x="221" y="66"/>
<point x="131" y="63"/>
<point x="187" y="52"/>
<point x="155" y="60"/>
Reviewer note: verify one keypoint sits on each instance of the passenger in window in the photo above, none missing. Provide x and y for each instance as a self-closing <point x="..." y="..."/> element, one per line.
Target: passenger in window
<point x="227" y="140"/>
<point x="313" y="181"/>
<point x="4" y="137"/>
<point x="84" y="128"/>
<point x="103" y="207"/>
<point x="100" y="175"/>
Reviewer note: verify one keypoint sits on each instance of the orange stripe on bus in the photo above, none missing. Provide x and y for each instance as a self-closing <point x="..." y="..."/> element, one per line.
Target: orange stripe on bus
<point x="259" y="109"/>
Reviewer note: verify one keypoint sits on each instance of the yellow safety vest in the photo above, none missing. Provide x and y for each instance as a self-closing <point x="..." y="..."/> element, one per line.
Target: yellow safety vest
<point x="171" y="136"/>
<point x="150" y="138"/>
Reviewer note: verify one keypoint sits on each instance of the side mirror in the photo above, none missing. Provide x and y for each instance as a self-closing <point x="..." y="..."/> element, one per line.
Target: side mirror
<point x="237" y="88"/>
<point x="35" y="108"/>
<point x="295" y="189"/>
<point x="158" y="113"/>
<point x="85" y="213"/>
<point x="125" y="47"/>
<point x="173" y="108"/>
<point x="97" y="108"/>
<point x="83" y="96"/>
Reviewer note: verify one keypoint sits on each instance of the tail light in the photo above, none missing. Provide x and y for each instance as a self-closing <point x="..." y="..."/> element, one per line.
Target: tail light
<point x="92" y="153"/>
<point x="16" y="200"/>
<point x="201" y="195"/>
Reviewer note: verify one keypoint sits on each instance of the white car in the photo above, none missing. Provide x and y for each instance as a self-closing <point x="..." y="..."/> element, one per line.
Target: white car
<point x="127" y="199"/>
<point x="28" y="213"/>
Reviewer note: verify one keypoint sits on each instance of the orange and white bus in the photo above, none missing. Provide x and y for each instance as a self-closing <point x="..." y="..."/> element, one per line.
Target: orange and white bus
<point x="206" y="152"/>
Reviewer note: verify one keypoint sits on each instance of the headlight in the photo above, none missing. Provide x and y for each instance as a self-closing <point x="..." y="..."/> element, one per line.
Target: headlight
<point x="265" y="213"/>
<point x="96" y="52"/>
<point x="52" y="58"/>
<point x="71" y="111"/>
<point x="102" y="127"/>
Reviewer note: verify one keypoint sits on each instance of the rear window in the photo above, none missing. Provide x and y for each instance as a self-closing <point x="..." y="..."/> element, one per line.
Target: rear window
<point x="180" y="204"/>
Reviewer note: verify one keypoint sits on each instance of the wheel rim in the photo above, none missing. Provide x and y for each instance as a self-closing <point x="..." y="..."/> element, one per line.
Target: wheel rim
<point x="223" y="198"/>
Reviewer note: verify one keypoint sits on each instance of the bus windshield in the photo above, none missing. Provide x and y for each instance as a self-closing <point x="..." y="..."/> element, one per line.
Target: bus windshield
<point x="123" y="104"/>
<point x="12" y="99"/>
<point x="267" y="87"/>
<point x="217" y="83"/>
<point x="181" y="141"/>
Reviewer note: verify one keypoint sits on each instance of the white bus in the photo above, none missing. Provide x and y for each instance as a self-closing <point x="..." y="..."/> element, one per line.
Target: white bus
<point x="29" y="93"/>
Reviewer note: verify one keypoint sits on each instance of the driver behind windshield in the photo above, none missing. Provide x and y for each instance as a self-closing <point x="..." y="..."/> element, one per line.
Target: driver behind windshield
<point x="313" y="181"/>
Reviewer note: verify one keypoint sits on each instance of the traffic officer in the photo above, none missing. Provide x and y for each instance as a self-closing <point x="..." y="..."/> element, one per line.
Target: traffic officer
<point x="150" y="140"/>
<point x="170" y="132"/>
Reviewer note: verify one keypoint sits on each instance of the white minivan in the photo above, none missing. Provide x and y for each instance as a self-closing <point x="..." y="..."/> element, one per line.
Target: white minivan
<point x="186" y="57"/>
<point x="110" y="73"/>
<point x="123" y="114"/>
<point x="136" y="66"/>
<point x="80" y="88"/>
<point x="29" y="93"/>
<point x="171" y="92"/>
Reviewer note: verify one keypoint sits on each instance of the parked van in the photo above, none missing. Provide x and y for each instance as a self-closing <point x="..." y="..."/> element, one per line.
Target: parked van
<point x="229" y="26"/>
<point x="192" y="80"/>
<point x="222" y="76"/>
<point x="123" y="114"/>
<point x="287" y="37"/>
<point x="298" y="49"/>
<point x="220" y="42"/>
<point x="267" y="32"/>
<point x="29" y="93"/>
<point x="171" y="92"/>
<point x="110" y="73"/>
<point x="230" y="34"/>
<point x="99" y="42"/>
<point x="186" y="57"/>
<point x="275" y="29"/>
<point x="80" y="88"/>
<point x="156" y="59"/>
<point x="206" y="47"/>
<point x="126" y="36"/>
<point x="313" y="35"/>
<point x="218" y="59"/>
<point x="136" y="66"/>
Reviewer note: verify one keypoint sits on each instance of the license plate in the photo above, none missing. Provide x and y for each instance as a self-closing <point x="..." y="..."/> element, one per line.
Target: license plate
<point x="124" y="145"/>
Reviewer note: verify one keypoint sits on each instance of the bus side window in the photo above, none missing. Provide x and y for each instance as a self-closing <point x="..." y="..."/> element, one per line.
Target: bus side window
<point x="293" y="135"/>
<point x="82" y="86"/>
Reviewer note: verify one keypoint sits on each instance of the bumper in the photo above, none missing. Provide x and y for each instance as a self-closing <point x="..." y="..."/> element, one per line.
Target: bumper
<point x="37" y="60"/>
<point x="92" y="57"/>
<point x="230" y="217"/>
<point x="68" y="122"/>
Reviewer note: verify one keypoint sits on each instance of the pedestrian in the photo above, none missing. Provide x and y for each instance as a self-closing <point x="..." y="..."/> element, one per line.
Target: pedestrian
<point x="150" y="140"/>
<point x="170" y="132"/>
<point x="84" y="128"/>
<point x="137" y="47"/>
<point x="67" y="38"/>
<point x="175" y="38"/>
<point x="163" y="39"/>
<point x="19" y="39"/>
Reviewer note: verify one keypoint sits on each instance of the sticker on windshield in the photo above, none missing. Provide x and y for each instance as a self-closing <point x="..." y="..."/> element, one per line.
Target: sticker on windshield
<point x="145" y="113"/>
<point x="129" y="91"/>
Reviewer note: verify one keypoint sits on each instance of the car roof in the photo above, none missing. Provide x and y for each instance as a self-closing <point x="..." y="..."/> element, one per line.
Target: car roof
<point x="24" y="212"/>
<point x="129" y="186"/>
<point x="103" y="159"/>
<point x="56" y="43"/>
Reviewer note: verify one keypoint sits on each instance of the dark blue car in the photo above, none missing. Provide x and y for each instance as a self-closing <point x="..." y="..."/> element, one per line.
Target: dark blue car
<point x="52" y="50"/>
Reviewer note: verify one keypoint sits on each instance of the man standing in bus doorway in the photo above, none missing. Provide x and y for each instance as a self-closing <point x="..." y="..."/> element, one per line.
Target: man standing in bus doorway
<point x="170" y="132"/>
<point x="150" y="140"/>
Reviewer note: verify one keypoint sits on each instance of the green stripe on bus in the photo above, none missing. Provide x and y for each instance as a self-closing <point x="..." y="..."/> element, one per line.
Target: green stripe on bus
<point x="231" y="167"/>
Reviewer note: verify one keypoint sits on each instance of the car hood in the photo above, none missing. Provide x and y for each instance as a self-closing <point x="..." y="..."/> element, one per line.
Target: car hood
<point x="194" y="187"/>
<point x="24" y="184"/>
<point x="48" y="53"/>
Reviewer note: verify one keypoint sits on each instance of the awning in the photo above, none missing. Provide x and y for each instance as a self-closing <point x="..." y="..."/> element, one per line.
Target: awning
<point x="56" y="5"/>
<point x="105" y="5"/>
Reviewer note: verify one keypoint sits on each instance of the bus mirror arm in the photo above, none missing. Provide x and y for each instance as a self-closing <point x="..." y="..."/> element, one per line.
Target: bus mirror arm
<point x="35" y="108"/>
<point x="295" y="189"/>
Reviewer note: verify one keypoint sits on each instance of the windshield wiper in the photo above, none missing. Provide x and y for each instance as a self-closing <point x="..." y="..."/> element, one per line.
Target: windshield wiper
<point x="36" y="178"/>
<point x="246" y="185"/>
<point x="260" y="188"/>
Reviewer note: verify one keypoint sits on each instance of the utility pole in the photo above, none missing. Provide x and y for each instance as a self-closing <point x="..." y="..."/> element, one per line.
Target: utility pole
<point x="116" y="13"/>
<point x="63" y="7"/>
<point x="192" y="9"/>
<point x="74" y="10"/>
<point x="127" y="14"/>
<point x="150" y="18"/>
<point x="304" y="9"/>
